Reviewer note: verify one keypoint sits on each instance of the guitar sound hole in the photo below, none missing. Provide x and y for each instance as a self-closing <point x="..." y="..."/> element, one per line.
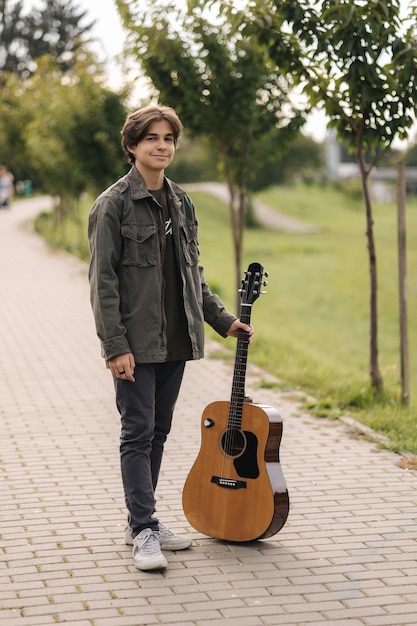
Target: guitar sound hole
<point x="233" y="442"/>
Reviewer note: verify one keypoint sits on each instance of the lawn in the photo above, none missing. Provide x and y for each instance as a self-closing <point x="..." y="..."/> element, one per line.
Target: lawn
<point x="312" y="325"/>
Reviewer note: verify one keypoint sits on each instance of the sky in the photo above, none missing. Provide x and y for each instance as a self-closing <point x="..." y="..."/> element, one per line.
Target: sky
<point x="107" y="29"/>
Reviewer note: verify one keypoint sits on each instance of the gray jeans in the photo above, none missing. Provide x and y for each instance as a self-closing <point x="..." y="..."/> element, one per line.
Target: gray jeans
<point x="146" y="408"/>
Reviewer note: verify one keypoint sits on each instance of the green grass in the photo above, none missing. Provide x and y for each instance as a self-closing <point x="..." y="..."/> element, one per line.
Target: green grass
<point x="312" y="325"/>
<point x="70" y="235"/>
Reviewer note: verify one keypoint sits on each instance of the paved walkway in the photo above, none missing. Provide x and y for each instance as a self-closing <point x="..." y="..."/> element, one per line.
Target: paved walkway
<point x="347" y="554"/>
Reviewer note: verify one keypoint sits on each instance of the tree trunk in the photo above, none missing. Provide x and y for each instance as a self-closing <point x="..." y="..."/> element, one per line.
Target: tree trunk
<point x="376" y="378"/>
<point x="402" y="280"/>
<point x="237" y="206"/>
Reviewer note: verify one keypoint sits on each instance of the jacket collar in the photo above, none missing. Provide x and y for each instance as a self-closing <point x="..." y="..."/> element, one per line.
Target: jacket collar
<point x="137" y="185"/>
<point x="139" y="189"/>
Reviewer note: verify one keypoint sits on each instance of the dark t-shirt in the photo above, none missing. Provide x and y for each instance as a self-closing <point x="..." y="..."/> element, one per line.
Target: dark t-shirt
<point x="178" y="339"/>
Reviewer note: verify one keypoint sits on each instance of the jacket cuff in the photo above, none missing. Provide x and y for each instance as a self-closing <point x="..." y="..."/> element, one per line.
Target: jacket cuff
<point x="114" y="346"/>
<point x="223" y="323"/>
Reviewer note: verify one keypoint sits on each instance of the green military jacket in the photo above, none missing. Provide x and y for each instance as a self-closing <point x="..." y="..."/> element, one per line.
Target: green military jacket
<point x="125" y="272"/>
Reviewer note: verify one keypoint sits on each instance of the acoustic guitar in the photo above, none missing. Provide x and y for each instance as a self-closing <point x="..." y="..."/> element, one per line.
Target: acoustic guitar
<point x="235" y="490"/>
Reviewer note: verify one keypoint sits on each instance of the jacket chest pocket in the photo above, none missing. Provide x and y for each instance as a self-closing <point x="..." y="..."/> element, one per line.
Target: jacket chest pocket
<point x="189" y="243"/>
<point x="139" y="244"/>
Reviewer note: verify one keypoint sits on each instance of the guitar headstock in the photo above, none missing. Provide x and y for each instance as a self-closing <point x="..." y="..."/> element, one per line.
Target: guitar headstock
<point x="252" y="283"/>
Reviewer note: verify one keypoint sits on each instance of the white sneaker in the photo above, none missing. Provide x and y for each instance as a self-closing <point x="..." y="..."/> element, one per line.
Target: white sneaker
<point x="167" y="539"/>
<point x="147" y="551"/>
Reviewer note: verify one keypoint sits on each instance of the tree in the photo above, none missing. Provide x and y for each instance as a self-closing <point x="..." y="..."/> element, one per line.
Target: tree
<point x="302" y="158"/>
<point x="58" y="125"/>
<point x="55" y="29"/>
<point x="357" y="60"/>
<point x="13" y="119"/>
<point x="13" y="36"/>
<point x="219" y="82"/>
<point x="72" y="133"/>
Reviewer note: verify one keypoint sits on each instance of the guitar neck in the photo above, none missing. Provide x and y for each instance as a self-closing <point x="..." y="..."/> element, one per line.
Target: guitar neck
<point x="239" y="372"/>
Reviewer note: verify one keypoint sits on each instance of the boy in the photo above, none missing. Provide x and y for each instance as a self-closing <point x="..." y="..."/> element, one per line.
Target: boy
<point x="150" y="301"/>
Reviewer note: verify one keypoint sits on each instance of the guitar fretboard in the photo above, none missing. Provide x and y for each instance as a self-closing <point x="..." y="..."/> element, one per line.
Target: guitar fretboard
<point x="239" y="373"/>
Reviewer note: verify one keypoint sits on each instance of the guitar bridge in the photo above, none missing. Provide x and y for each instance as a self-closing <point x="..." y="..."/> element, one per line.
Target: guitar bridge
<point x="228" y="483"/>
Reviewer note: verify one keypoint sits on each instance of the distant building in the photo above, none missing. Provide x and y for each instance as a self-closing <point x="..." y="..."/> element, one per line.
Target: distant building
<point x="336" y="169"/>
<point x="332" y="147"/>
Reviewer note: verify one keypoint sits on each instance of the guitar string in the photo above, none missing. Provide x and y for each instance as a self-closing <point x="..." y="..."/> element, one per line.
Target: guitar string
<point x="239" y="374"/>
<point x="237" y="397"/>
<point x="227" y="437"/>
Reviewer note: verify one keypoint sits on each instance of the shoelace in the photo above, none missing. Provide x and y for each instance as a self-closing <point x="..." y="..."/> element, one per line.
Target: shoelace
<point x="150" y="544"/>
<point x="164" y="531"/>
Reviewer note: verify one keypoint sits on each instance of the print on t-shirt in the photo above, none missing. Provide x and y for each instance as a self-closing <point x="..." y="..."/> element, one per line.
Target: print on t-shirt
<point x="168" y="227"/>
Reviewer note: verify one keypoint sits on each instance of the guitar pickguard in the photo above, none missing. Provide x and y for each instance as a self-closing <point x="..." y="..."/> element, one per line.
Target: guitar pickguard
<point x="246" y="465"/>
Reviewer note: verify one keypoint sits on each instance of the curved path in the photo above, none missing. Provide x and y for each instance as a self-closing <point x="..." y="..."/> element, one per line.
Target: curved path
<point x="266" y="216"/>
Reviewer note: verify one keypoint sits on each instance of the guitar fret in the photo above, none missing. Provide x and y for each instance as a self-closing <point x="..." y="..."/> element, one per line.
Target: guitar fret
<point x="249" y="292"/>
<point x="239" y="377"/>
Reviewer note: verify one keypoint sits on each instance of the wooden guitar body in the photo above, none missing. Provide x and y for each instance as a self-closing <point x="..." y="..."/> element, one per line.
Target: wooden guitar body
<point x="236" y="490"/>
<point x="275" y="473"/>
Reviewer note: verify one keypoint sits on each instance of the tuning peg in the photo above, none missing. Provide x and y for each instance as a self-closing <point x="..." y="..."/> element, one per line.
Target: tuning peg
<point x="265" y="283"/>
<point x="266" y="274"/>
